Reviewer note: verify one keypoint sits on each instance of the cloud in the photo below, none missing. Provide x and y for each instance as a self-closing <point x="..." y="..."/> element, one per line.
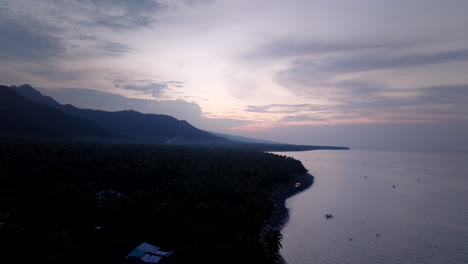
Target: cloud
<point x="366" y="59"/>
<point x="36" y="30"/>
<point x="175" y="84"/>
<point x="334" y="79"/>
<point x="455" y="94"/>
<point x="322" y="76"/>
<point x="281" y="108"/>
<point x="23" y="38"/>
<point x="198" y="2"/>
<point x="111" y="48"/>
<point x="113" y="14"/>
<point x="149" y="87"/>
<point x="312" y="71"/>
<point x="288" y="113"/>
<point x="370" y="101"/>
<point x="365" y="96"/>
<point x="424" y="104"/>
<point x="56" y="73"/>
<point x="155" y="89"/>
<point x="368" y="62"/>
<point x="287" y="48"/>
<point x="180" y="109"/>
<point x="301" y="118"/>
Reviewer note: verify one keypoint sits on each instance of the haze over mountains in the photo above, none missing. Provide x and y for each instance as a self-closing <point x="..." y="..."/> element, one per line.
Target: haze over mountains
<point x="28" y="113"/>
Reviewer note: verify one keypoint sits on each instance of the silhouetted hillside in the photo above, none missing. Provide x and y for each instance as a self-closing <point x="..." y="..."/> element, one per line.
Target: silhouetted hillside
<point x="245" y="139"/>
<point x="21" y="117"/>
<point x="137" y="127"/>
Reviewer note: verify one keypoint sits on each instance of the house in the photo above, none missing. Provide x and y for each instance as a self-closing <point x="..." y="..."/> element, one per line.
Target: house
<point x="147" y="253"/>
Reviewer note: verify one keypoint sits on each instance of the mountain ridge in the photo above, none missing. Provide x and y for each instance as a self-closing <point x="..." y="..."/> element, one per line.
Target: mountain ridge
<point x="23" y="117"/>
<point x="135" y="126"/>
<point x="129" y="126"/>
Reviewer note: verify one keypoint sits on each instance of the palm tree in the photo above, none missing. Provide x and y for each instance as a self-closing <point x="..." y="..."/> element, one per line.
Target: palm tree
<point x="273" y="243"/>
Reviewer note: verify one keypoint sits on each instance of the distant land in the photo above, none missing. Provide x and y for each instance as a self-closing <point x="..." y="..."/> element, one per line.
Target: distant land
<point x="245" y="139"/>
<point x="151" y="178"/>
<point x="29" y="114"/>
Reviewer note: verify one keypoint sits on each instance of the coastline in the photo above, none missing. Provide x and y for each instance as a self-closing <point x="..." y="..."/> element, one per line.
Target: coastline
<point x="280" y="214"/>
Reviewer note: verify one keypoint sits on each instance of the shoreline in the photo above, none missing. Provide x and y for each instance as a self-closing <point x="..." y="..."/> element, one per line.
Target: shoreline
<point x="280" y="215"/>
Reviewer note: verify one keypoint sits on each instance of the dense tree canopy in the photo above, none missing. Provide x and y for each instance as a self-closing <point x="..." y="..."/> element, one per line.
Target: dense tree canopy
<point x="207" y="203"/>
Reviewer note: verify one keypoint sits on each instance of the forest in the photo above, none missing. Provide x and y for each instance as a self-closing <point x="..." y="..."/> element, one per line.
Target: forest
<point x="69" y="202"/>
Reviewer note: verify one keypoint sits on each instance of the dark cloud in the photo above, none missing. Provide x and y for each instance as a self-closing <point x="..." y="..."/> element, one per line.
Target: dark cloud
<point x="455" y="94"/>
<point x="86" y="37"/>
<point x="426" y="103"/>
<point x="302" y="73"/>
<point x="307" y="71"/>
<point x="198" y="2"/>
<point x="369" y="62"/>
<point x="155" y="89"/>
<point x="350" y="94"/>
<point x="432" y="103"/>
<point x="117" y="14"/>
<point x="83" y="16"/>
<point x="284" y="48"/>
<point x="23" y="38"/>
<point x="354" y="99"/>
<point x="114" y="48"/>
<point x="451" y="96"/>
<point x="149" y="87"/>
<point x="56" y="73"/>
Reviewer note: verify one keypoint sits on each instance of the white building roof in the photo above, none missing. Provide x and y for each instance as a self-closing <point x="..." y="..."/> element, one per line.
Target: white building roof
<point x="142" y="250"/>
<point x="151" y="258"/>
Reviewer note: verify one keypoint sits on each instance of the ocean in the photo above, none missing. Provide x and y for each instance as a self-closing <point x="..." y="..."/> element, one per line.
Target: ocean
<point x="387" y="207"/>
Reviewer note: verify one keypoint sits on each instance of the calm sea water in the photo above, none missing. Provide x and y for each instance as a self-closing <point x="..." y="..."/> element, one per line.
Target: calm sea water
<point x="423" y="219"/>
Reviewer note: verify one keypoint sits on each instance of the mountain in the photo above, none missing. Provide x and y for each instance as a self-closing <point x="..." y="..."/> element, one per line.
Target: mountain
<point x="135" y="126"/>
<point x="21" y="117"/>
<point x="33" y="95"/>
<point x="122" y="126"/>
<point x="245" y="139"/>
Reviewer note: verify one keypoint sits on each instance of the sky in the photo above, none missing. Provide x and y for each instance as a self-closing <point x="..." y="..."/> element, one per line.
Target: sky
<point x="368" y="74"/>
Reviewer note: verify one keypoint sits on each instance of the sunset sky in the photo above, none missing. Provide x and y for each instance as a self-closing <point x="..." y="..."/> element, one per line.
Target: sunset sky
<point x="360" y="73"/>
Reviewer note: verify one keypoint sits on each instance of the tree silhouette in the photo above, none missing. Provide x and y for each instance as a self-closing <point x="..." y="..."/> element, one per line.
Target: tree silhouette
<point x="207" y="203"/>
<point x="273" y="243"/>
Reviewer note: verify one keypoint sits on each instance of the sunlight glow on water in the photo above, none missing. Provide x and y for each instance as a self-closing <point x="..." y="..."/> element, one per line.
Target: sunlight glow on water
<point x="424" y="219"/>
